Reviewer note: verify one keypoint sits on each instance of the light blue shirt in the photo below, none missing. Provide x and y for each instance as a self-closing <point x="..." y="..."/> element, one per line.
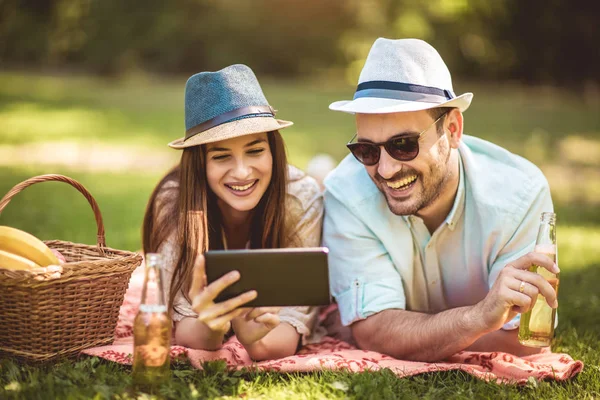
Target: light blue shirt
<point x="380" y="261"/>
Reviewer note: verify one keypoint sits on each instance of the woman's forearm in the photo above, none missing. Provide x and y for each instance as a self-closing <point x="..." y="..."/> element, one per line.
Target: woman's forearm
<point x="279" y="343"/>
<point x="192" y="333"/>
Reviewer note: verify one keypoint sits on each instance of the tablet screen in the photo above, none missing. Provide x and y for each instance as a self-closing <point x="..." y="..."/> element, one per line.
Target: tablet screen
<point x="281" y="277"/>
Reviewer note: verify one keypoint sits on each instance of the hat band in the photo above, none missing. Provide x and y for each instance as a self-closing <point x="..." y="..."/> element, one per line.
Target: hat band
<point x="226" y="117"/>
<point x="403" y="91"/>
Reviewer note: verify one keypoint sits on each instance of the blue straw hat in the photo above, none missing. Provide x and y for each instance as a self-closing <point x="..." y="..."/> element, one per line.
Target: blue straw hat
<point x="223" y="105"/>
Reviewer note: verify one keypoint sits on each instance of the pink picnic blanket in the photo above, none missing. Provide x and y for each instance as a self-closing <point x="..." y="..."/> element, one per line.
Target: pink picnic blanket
<point x="338" y="355"/>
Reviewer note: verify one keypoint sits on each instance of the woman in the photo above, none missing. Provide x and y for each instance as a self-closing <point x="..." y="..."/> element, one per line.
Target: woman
<point x="233" y="189"/>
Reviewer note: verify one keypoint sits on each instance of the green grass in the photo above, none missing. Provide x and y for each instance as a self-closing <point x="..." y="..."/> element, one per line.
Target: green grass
<point x="553" y="129"/>
<point x="55" y="210"/>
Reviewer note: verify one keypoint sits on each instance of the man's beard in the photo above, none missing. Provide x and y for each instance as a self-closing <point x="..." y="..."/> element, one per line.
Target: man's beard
<point x="429" y="191"/>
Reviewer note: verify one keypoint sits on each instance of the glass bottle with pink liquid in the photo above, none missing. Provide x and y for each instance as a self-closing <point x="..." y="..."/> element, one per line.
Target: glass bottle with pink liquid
<point x="152" y="330"/>
<point x="537" y="325"/>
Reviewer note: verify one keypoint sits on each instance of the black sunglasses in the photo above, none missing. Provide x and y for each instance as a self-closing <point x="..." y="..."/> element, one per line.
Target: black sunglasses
<point x="401" y="148"/>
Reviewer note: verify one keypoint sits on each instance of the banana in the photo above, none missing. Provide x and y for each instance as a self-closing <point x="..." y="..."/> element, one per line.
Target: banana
<point x="23" y="244"/>
<point x="15" y="262"/>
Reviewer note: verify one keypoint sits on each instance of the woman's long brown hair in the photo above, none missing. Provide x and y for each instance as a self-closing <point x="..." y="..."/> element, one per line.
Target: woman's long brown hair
<point x="189" y="211"/>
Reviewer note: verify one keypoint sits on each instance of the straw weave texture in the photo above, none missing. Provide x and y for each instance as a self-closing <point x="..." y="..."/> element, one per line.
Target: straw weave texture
<point x="45" y="316"/>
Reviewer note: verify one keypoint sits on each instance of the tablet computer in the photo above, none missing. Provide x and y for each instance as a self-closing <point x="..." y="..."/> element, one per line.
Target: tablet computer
<point x="281" y="277"/>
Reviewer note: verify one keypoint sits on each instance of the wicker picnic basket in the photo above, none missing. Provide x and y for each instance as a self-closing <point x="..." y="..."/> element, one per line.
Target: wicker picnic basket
<point x="45" y="316"/>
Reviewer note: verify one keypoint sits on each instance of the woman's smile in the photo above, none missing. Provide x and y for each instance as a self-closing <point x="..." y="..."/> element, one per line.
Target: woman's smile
<point x="242" y="188"/>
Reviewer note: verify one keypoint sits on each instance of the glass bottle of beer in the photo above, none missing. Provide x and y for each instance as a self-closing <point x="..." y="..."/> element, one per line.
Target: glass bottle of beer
<point x="537" y="325"/>
<point x="151" y="330"/>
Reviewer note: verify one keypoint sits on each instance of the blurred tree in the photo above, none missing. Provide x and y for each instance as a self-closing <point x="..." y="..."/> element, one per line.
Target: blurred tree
<point x="24" y="30"/>
<point x="555" y="41"/>
<point x="535" y="41"/>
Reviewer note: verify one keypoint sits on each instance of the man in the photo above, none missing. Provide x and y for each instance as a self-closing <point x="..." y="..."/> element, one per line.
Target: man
<point x="430" y="231"/>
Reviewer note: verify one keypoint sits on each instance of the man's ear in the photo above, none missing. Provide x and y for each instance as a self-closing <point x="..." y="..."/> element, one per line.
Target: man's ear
<point x="453" y="126"/>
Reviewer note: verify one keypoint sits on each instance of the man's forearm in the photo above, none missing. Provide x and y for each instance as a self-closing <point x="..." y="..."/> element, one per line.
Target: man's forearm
<point x="421" y="337"/>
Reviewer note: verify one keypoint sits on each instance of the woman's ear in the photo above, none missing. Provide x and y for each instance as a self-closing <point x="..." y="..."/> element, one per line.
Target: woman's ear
<point x="454" y="127"/>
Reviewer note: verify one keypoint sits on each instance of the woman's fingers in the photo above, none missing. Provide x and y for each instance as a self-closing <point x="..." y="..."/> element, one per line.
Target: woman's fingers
<point x="237" y="302"/>
<point x="258" y="311"/>
<point x="268" y="320"/>
<point x="212" y="310"/>
<point x="211" y="291"/>
<point x="220" y="323"/>
<point x="198" y="277"/>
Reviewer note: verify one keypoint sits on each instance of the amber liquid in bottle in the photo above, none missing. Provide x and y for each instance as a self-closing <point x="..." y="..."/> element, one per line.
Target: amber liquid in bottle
<point x="152" y="331"/>
<point x="537" y="325"/>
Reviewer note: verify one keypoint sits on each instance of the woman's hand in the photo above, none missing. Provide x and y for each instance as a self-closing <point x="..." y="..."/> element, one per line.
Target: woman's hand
<point x="216" y="316"/>
<point x="255" y="323"/>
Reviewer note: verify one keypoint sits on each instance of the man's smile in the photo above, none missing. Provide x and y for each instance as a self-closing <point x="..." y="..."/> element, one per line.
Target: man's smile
<point x="402" y="183"/>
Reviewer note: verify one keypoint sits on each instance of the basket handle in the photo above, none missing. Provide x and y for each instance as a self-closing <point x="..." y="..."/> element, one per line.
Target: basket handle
<point x="61" y="178"/>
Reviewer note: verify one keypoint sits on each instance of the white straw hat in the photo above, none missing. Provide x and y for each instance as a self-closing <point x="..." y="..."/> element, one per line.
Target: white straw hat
<point x="403" y="75"/>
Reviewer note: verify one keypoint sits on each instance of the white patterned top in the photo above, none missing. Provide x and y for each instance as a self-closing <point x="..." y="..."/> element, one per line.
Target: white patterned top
<point x="305" y="206"/>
